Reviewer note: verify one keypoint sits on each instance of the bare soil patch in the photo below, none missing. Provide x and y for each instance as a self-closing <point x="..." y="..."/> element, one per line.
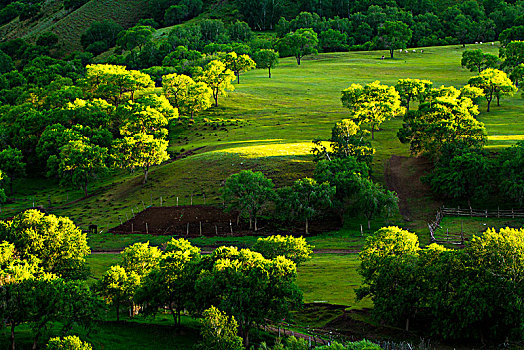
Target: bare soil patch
<point x="403" y="176"/>
<point x="205" y="220"/>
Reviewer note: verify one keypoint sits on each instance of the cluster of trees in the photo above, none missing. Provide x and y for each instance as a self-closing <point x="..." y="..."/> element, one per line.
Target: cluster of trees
<point x="471" y="293"/>
<point x="25" y="9"/>
<point x="42" y="275"/>
<point x="245" y="284"/>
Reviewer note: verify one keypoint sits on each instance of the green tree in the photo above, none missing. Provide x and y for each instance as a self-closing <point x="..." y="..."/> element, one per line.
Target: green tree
<point x="80" y="162"/>
<point x="389" y="271"/>
<point x="172" y="282"/>
<point x="248" y="192"/>
<point x="219" y="331"/>
<point x="394" y="35"/>
<point x="494" y="83"/>
<point x="218" y="78"/>
<point x="462" y="174"/>
<point x="373" y="200"/>
<point x="266" y="59"/>
<point x="101" y="35"/>
<point x="70" y="342"/>
<point x="240" y="31"/>
<point x="249" y="287"/>
<point x="140" y="258"/>
<point x="517" y="74"/>
<point x="186" y="94"/>
<point x="476" y="60"/>
<point x="238" y="63"/>
<point x="372" y="104"/>
<point x="141" y="151"/>
<point x="56" y="242"/>
<point x="2" y="192"/>
<point x="115" y="84"/>
<point x="332" y="40"/>
<point x="511" y="172"/>
<point x="300" y="43"/>
<point x="118" y="287"/>
<point x="138" y="36"/>
<point x="305" y="200"/>
<point x="447" y="117"/>
<point x="412" y="89"/>
<point x="295" y="249"/>
<point x="12" y="165"/>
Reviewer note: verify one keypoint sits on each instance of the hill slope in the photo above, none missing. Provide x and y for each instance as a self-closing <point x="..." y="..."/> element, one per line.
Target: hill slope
<point x="69" y="26"/>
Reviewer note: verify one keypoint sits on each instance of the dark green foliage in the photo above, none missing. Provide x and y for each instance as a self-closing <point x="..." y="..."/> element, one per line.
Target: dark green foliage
<point x="48" y="40"/>
<point x="511" y="172"/>
<point x="100" y="36"/>
<point x="74" y="4"/>
<point x="219" y="331"/>
<point x="239" y="32"/>
<point x="299" y="44"/>
<point x="476" y="60"/>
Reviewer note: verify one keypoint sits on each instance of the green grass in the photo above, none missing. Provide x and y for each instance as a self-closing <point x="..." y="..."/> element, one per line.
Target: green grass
<point x="332" y="278"/>
<point x="279" y="118"/>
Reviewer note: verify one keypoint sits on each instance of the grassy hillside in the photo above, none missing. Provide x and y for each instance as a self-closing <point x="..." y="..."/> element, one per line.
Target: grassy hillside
<point x="268" y="124"/>
<point x="69" y="26"/>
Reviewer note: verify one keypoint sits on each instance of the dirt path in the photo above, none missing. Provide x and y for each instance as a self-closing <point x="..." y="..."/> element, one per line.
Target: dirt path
<point x="403" y="176"/>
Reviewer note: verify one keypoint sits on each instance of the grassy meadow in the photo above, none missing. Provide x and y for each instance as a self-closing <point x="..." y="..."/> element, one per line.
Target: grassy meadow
<point x="268" y="124"/>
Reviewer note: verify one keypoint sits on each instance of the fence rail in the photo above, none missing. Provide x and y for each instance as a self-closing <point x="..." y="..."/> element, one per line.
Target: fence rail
<point x="458" y="238"/>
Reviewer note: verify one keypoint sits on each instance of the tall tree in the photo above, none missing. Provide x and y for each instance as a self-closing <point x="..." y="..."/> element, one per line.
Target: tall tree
<point x="266" y="59"/>
<point x="186" y="94"/>
<point x="412" y="89"/>
<point x="394" y="35"/>
<point x="494" y="83"/>
<point x="373" y="200"/>
<point x="476" y="60"/>
<point x="238" y="63"/>
<point x="372" y="104"/>
<point x="219" y="331"/>
<point x="218" y="78"/>
<point x="300" y="43"/>
<point x="248" y="192"/>
<point x="118" y="287"/>
<point x="12" y="165"/>
<point x="295" y="249"/>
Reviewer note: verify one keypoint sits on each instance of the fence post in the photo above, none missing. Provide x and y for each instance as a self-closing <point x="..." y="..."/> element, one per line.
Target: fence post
<point x="177" y="201"/>
<point x="200" y="224"/>
<point x="498" y="212"/>
<point x="187" y="230"/>
<point x="147" y="229"/>
<point x="132" y="228"/>
<point x="216" y="230"/>
<point x="512" y="213"/>
<point x="160" y="200"/>
<point x="132" y="212"/>
<point x="486" y="213"/>
<point x="204" y="199"/>
<point x="191" y="198"/>
<point x="231" y="227"/>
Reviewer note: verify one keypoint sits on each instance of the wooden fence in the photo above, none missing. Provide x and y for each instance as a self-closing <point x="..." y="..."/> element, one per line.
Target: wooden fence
<point x="458" y="238"/>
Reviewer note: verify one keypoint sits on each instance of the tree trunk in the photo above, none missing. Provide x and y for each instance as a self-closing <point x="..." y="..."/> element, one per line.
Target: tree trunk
<point x="146" y="173"/>
<point x="192" y="114"/>
<point x="372" y="132"/>
<point x="269" y="69"/>
<point x="489" y="102"/>
<point x="498" y="101"/>
<point x="238" y="77"/>
<point x="407" y="324"/>
<point x="256" y="224"/>
<point x="391" y="52"/>
<point x="307" y="227"/>
<point x="369" y="224"/>
<point x="215" y="96"/>
<point x="463" y="44"/>
<point x="13" y="325"/>
<point x="298" y="60"/>
<point x="173" y="313"/>
<point x="250" y="223"/>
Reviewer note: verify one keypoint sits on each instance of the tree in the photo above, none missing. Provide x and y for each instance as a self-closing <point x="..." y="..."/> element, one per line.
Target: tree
<point x="2" y="192"/>
<point x="461" y="174"/>
<point x="517" y="74"/>
<point x="372" y="104"/>
<point x="141" y="151"/>
<point x="300" y="43"/>
<point x="238" y="64"/>
<point x="478" y="60"/>
<point x="56" y="242"/>
<point x="240" y="31"/>
<point x="412" y="89"/>
<point x="138" y="36"/>
<point x="389" y="271"/>
<point x="333" y="41"/>
<point x="140" y="258"/>
<point x="266" y="59"/>
<point x="186" y="94"/>
<point x="115" y="83"/>
<point x="48" y="40"/>
<point x="511" y="172"/>
<point x="118" y="287"/>
<point x="249" y="287"/>
<point x="394" y="35"/>
<point x="70" y="342"/>
<point x="172" y="282"/>
<point x="248" y="192"/>
<point x="447" y="117"/>
<point x="80" y="162"/>
<point x="104" y="32"/>
<point x="305" y="199"/>
<point x="373" y="200"/>
<point x="219" y="331"/>
<point x="295" y="249"/>
<point x="513" y="55"/>
<point x="12" y="165"/>
<point x="218" y="78"/>
<point x="495" y="83"/>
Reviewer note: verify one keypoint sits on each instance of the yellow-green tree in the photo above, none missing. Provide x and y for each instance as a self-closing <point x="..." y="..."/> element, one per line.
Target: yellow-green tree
<point x="371" y="104"/>
<point x="412" y="89"/>
<point x="186" y="94"/>
<point x="218" y="78"/>
<point x="238" y="63"/>
<point x="494" y="83"/>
